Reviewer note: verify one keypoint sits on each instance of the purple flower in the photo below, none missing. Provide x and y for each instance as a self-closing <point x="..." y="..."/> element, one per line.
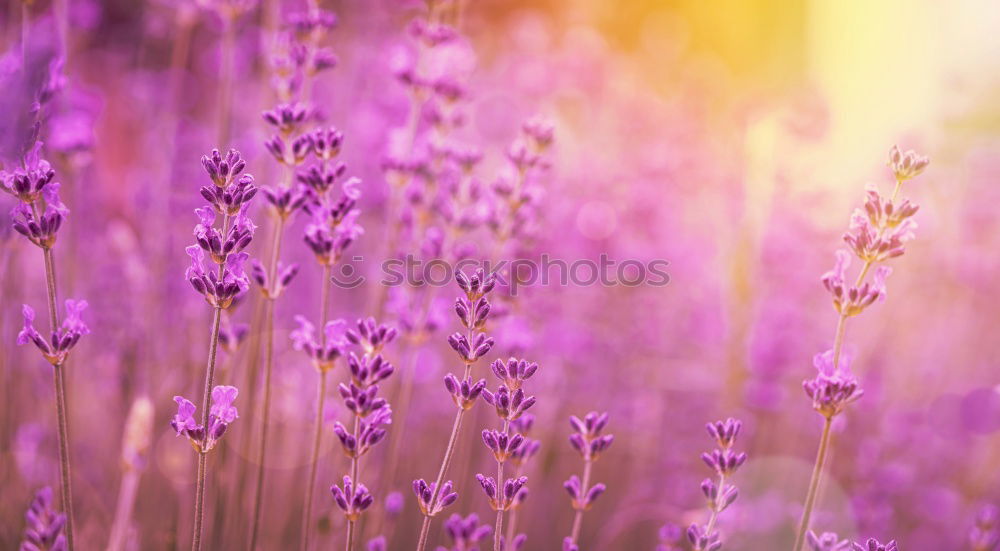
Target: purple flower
<point x="719" y="494"/>
<point x="833" y="388"/>
<point x="368" y="370"/>
<point x="509" y="405"/>
<point x="28" y="182"/>
<point x="221" y="170"/>
<point x="230" y="199"/>
<point x="352" y="500"/>
<point x="44" y="531"/>
<point x="502" y="444"/>
<point x="361" y="401"/>
<point x="222" y="413"/>
<point x="470" y="352"/>
<point x="432" y="502"/>
<point x="724" y="432"/>
<point x="329" y="238"/>
<point x="908" y="165"/>
<point x="476" y="285"/>
<point x="286" y="117"/>
<point x="284" y="276"/>
<point x="852" y="300"/>
<point x="370" y="335"/>
<point x="63" y="339"/>
<point x="587" y="440"/>
<point x="514" y="372"/>
<point x="701" y="540"/>
<point x="466" y="533"/>
<point x="501" y="499"/>
<point x="724" y="462"/>
<point x="218" y="291"/>
<point x="464" y="393"/>
<point x="286" y="201"/>
<point x="370" y="432"/>
<point x="323" y="354"/>
<point x="873" y="545"/>
<point x="327" y="142"/>
<point x="827" y="541"/>
<point x="582" y="498"/>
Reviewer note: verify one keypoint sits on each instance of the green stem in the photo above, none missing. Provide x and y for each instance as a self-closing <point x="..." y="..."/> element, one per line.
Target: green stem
<point x="449" y="452"/>
<point x="499" y="523"/>
<point x="817" y="474"/>
<point x="62" y="416"/>
<point x="578" y="519"/>
<point x="199" y="501"/>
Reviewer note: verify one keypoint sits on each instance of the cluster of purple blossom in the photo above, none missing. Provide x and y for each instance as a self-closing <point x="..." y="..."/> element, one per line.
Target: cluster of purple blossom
<point x="436" y="201"/>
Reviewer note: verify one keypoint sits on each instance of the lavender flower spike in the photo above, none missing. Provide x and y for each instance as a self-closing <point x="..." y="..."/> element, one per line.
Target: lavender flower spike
<point x="718" y="493"/>
<point x="45" y="525"/>
<point x="470" y="346"/>
<point x="588" y="441"/>
<point x="63" y="339"/>
<point x="221" y="414"/>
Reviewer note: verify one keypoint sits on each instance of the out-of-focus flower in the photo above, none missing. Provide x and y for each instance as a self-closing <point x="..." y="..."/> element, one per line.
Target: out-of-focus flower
<point x="827" y="541"/>
<point x="908" y="165"/>
<point x="985" y="532"/>
<point x="873" y="545"/>
<point x="45" y="525"/>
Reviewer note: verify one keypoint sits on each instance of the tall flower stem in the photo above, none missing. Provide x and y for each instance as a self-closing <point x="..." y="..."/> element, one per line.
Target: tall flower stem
<point x="213" y="349"/>
<point x="824" y="445"/>
<point x="499" y="523"/>
<point x="268" y="368"/>
<point x="199" y="500"/>
<point x="715" y="508"/>
<point x="314" y="460"/>
<point x="355" y="467"/>
<point x="584" y="487"/>
<point x="62" y="417"/>
<point x="320" y="402"/>
<point x="449" y="452"/>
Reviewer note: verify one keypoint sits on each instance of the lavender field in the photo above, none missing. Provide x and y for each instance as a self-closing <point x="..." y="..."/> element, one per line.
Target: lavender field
<point x="456" y="275"/>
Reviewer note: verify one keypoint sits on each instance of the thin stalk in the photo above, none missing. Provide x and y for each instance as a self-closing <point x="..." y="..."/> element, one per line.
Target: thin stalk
<point x="213" y="349"/>
<point x="499" y="524"/>
<point x="715" y="507"/>
<point x="355" y="467"/>
<point x="445" y="463"/>
<point x="65" y="473"/>
<point x="62" y="417"/>
<point x="824" y="445"/>
<point x="838" y="340"/>
<point x="268" y="368"/>
<point x="314" y="461"/>
<point x="123" y="511"/>
<point x="578" y="518"/>
<point x="199" y="501"/>
<point x="318" y="437"/>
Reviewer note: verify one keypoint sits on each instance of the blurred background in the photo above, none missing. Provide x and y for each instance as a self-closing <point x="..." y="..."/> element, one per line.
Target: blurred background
<point x="732" y="139"/>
